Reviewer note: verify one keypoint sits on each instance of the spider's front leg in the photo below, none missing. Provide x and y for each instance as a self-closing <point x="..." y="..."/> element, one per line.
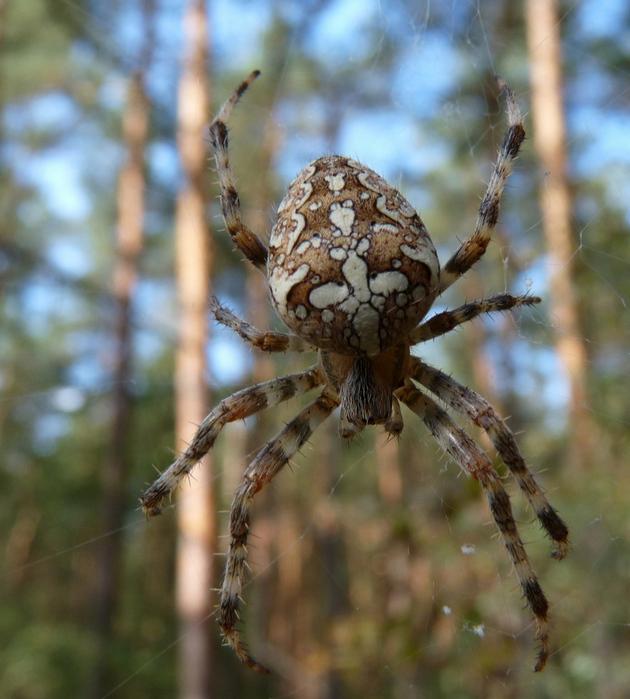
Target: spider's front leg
<point x="473" y="248"/>
<point x="463" y="450"/>
<point x="245" y="240"/>
<point x="267" y="463"/>
<point x="238" y="406"/>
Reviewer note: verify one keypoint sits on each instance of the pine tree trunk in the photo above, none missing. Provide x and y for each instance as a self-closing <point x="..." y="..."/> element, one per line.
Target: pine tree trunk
<point x="195" y="512"/>
<point x="268" y="608"/>
<point x="555" y="201"/>
<point x="262" y="201"/>
<point x="3" y="13"/>
<point x="129" y="243"/>
<point x="331" y="600"/>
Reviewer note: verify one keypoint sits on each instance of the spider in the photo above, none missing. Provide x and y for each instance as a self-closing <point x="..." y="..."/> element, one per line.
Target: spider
<point x="352" y="272"/>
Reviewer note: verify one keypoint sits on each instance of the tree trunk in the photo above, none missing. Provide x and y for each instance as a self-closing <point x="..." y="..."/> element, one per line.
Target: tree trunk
<point x="331" y="599"/>
<point x="269" y="606"/>
<point x="555" y="201"/>
<point x="129" y="243"/>
<point x="3" y="13"/>
<point x="262" y="197"/>
<point x="195" y="511"/>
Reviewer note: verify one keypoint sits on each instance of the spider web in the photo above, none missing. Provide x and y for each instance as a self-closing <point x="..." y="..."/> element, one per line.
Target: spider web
<point x="389" y="125"/>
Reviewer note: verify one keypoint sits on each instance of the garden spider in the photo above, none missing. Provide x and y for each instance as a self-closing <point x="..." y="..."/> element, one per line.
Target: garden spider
<point x="352" y="271"/>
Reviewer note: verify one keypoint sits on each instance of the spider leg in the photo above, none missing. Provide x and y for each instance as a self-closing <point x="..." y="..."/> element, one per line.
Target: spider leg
<point x="245" y="240"/>
<point x="442" y="323"/>
<point x="265" y="340"/>
<point x="467" y="402"/>
<point x="267" y="463"/>
<point x="347" y="429"/>
<point x="463" y="450"/>
<point x="473" y="248"/>
<point x="235" y="407"/>
<point x="394" y="425"/>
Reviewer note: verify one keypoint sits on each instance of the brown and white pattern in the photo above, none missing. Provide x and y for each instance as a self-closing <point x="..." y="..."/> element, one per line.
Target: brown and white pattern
<point x="352" y="271"/>
<point x="351" y="266"/>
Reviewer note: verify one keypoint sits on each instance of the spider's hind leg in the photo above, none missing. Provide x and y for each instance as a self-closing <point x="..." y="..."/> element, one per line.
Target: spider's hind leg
<point x="476" y="408"/>
<point x="463" y="450"/>
<point x="267" y="463"/>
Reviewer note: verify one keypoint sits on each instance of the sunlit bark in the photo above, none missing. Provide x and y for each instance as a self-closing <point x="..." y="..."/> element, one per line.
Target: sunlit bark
<point x="550" y="140"/>
<point x="195" y="511"/>
<point x="129" y="243"/>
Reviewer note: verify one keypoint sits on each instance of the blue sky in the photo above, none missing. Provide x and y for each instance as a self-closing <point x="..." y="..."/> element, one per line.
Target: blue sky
<point x="395" y="132"/>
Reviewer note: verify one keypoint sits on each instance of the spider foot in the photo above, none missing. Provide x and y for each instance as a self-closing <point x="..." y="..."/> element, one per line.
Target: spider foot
<point x="542" y="636"/>
<point x="543" y="654"/>
<point x="394" y="424"/>
<point x="540" y="607"/>
<point x="150" y="510"/>
<point x="560" y="550"/>
<point x="348" y="430"/>
<point x="233" y="639"/>
<point x="152" y="498"/>
<point x="556" y="529"/>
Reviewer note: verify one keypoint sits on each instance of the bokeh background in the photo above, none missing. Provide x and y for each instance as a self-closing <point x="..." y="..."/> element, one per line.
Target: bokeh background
<point x="376" y="570"/>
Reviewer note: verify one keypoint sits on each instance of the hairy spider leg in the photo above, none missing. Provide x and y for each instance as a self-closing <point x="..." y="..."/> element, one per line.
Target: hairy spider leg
<point x="394" y="425"/>
<point x="238" y="406"/>
<point x="466" y="454"/>
<point x="442" y="323"/>
<point x="264" y="340"/>
<point x="267" y="463"/>
<point x="276" y="453"/>
<point x="473" y="248"/>
<point x="245" y="240"/>
<point x="466" y="402"/>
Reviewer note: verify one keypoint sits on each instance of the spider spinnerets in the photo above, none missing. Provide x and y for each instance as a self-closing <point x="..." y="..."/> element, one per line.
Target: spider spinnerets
<point x="352" y="272"/>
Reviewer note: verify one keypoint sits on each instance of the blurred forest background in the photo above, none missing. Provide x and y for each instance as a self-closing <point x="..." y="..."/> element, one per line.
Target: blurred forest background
<point x="376" y="571"/>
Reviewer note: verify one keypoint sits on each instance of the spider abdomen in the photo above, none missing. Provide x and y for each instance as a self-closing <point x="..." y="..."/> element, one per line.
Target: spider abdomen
<point x="351" y="266"/>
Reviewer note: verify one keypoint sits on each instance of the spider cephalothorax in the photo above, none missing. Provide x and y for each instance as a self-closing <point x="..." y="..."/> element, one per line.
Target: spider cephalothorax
<point x="352" y="271"/>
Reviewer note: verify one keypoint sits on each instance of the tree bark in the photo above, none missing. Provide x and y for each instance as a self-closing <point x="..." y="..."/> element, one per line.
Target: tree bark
<point x="3" y="13"/>
<point x="550" y="141"/>
<point x="196" y="511"/>
<point x="262" y="197"/>
<point x="129" y="243"/>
